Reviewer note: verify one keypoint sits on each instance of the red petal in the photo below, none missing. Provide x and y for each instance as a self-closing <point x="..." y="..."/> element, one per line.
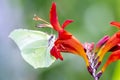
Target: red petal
<point x="66" y="23"/>
<point x="72" y="45"/>
<point x="64" y="35"/>
<point x="53" y="18"/>
<point x="117" y="47"/>
<point x="113" y="57"/>
<point x="112" y="42"/>
<point x="54" y="52"/>
<point x="116" y="24"/>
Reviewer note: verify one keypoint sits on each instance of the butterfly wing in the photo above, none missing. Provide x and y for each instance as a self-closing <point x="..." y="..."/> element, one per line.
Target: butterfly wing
<point x="34" y="47"/>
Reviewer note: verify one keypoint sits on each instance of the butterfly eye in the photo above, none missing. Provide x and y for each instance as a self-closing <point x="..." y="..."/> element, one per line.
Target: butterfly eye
<point x="51" y="37"/>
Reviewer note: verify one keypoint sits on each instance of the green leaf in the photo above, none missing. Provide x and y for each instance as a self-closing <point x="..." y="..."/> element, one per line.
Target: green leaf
<point x="116" y="74"/>
<point x="35" y="46"/>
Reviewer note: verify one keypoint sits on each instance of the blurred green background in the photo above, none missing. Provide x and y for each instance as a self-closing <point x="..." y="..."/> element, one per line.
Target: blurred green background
<point x="91" y="22"/>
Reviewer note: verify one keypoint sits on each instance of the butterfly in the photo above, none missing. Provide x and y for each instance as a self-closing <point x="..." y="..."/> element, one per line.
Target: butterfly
<point x="35" y="46"/>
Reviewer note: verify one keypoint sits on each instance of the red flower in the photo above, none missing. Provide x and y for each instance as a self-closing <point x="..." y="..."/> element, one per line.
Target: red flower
<point x="113" y="57"/>
<point x="112" y="45"/>
<point x="65" y="42"/>
<point x="106" y="44"/>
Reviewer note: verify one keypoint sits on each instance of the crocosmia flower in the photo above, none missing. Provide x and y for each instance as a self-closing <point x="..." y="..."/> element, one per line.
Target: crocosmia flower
<point x="92" y="53"/>
<point x="112" y="45"/>
<point x="65" y="42"/>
